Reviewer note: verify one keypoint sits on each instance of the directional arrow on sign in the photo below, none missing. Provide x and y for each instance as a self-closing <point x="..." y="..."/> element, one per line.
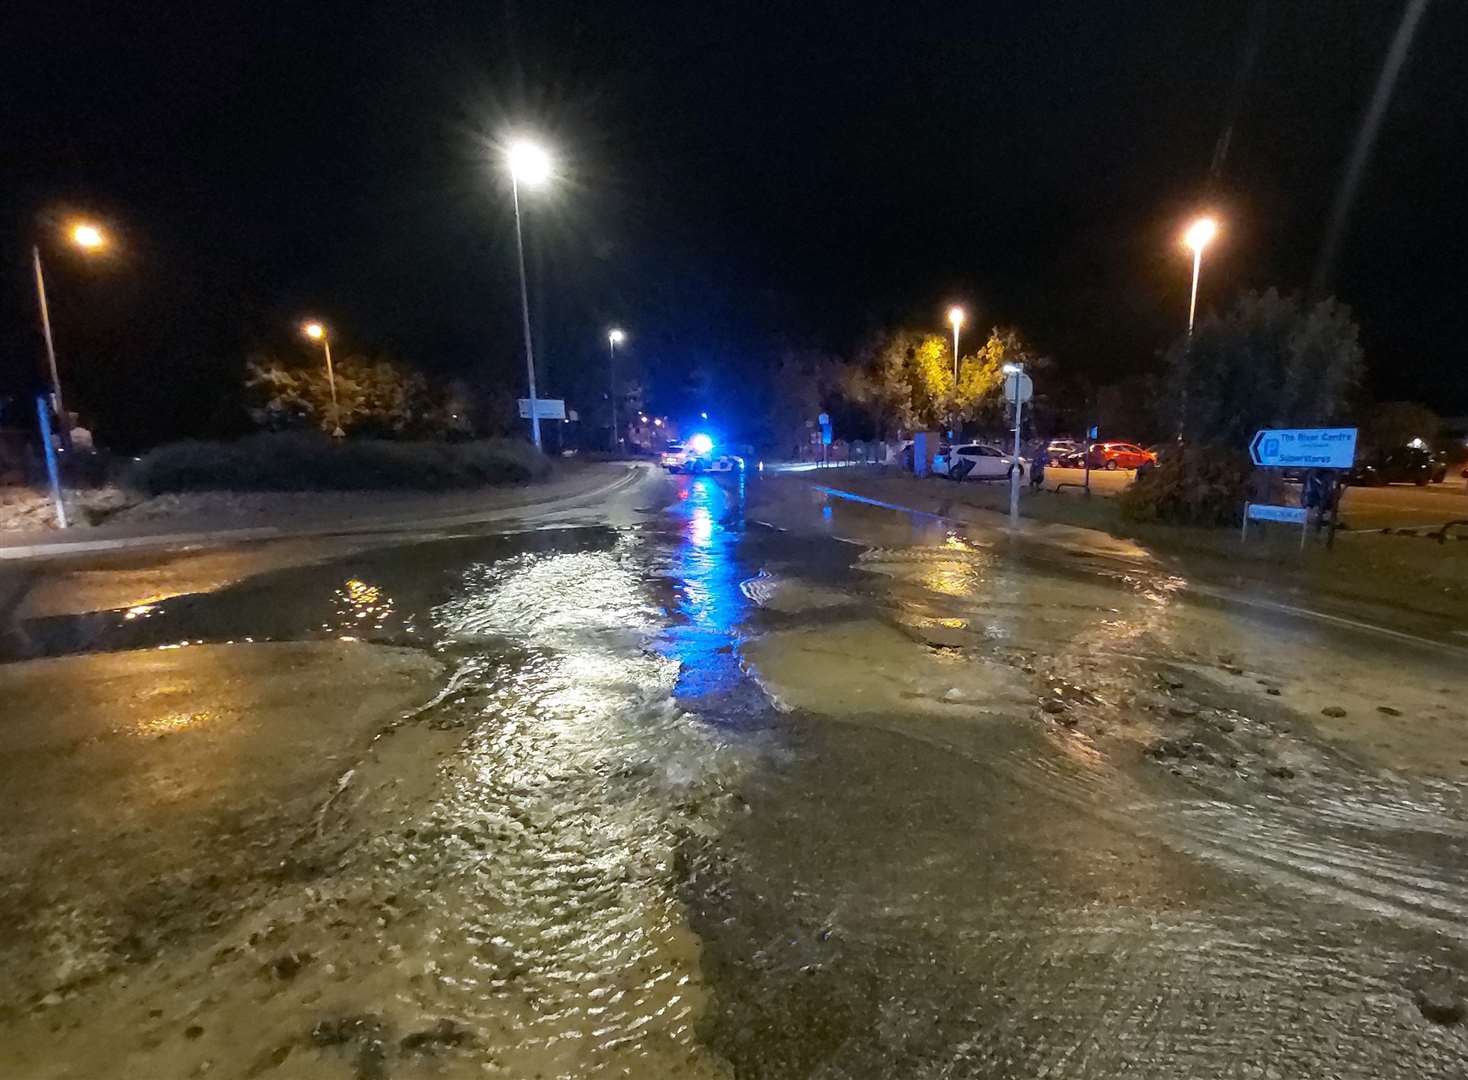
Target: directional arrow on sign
<point x="1304" y="448"/>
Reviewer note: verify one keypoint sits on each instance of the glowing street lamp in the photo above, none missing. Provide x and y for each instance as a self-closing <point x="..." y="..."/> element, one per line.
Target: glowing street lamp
<point x="1199" y="235"/>
<point x="955" y="316"/>
<point x="316" y="332"/>
<point x="528" y="164"/>
<point x="615" y="337"/>
<point x="89" y="237"/>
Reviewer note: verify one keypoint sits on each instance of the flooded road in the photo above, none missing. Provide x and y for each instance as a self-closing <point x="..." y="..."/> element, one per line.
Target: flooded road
<point x="728" y="779"/>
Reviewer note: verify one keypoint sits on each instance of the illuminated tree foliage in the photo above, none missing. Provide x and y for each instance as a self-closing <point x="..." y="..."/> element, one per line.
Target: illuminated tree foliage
<point x="906" y="378"/>
<point x="379" y="396"/>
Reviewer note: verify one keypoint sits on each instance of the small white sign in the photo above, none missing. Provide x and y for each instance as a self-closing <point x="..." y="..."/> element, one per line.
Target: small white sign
<point x="1304" y="448"/>
<point x="1018" y="387"/>
<point x="1293" y="515"/>
<point x="545" y="408"/>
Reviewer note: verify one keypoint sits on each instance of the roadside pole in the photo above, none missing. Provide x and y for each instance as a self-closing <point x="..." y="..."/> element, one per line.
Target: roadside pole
<point x="1089" y="441"/>
<point x="1017" y="387"/>
<point x="52" y="473"/>
<point x="1318" y="449"/>
<point x="1014" y="473"/>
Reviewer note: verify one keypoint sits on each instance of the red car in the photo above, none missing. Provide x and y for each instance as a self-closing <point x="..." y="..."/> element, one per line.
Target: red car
<point x="1120" y="455"/>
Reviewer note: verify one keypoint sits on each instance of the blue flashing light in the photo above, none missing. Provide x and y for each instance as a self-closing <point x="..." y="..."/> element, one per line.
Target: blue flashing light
<point x="700" y="443"/>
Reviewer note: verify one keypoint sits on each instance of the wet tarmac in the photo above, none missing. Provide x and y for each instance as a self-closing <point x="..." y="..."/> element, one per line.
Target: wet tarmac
<point x="730" y="779"/>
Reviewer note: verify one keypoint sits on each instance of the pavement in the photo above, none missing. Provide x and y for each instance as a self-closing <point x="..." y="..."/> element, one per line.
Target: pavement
<point x="1390" y="506"/>
<point x="719" y="777"/>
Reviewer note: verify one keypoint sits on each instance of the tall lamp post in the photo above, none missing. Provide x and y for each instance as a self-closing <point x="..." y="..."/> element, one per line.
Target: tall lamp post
<point x="955" y="316"/>
<point x="316" y="332"/>
<point x="615" y="337"/>
<point x="1199" y="235"/>
<point x="88" y="237"/>
<point x="529" y="164"/>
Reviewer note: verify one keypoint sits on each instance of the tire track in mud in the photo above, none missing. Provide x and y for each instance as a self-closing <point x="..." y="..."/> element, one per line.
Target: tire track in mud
<point x="1373" y="843"/>
<point x="1409" y="864"/>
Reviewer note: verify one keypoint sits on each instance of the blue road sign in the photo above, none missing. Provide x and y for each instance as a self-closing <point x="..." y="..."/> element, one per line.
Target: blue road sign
<point x="1304" y="448"/>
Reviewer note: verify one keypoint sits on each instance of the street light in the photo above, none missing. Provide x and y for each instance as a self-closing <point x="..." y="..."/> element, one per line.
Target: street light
<point x="1199" y="235"/>
<point x="528" y="164"/>
<point x="316" y="332"/>
<point x="615" y="337"/>
<point x="955" y="316"/>
<point x="88" y="237"/>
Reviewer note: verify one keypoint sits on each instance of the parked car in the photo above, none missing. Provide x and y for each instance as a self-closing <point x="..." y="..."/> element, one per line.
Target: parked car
<point x="1059" y="451"/>
<point x="1399" y="465"/>
<point x="983" y="463"/>
<point x="1439" y="467"/>
<point x="1120" y="455"/>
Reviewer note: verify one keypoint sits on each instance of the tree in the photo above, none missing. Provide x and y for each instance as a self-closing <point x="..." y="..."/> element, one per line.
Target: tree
<point x="980" y="394"/>
<point x="906" y="378"/>
<point x="803" y="385"/>
<point x="382" y="397"/>
<point x="1270" y="361"/>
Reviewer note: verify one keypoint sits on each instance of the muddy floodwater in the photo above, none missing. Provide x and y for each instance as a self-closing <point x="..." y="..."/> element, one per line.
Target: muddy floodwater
<point x="733" y="778"/>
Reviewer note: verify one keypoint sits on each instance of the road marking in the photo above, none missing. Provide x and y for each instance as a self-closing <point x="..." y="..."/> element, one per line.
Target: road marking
<point x="884" y="505"/>
<point x="1325" y="616"/>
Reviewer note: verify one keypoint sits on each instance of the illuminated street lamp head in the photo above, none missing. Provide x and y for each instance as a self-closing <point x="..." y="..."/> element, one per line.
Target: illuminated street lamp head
<point x="1011" y="369"/>
<point x="529" y="163"/>
<point x="1201" y="233"/>
<point x="616" y="337"/>
<point x="955" y="316"/>
<point x="314" y="330"/>
<point x="86" y="235"/>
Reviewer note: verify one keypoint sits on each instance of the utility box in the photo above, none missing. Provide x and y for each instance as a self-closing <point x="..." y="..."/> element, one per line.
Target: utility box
<point x="924" y="447"/>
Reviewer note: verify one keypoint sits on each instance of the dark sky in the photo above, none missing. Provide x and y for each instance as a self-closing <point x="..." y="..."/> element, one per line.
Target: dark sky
<point x="735" y="176"/>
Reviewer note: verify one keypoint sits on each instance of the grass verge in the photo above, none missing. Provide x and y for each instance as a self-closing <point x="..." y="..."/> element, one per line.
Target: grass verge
<point x="1408" y="574"/>
<point x="307" y="462"/>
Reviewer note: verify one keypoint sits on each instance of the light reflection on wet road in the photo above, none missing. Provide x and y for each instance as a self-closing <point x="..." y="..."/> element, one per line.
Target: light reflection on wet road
<point x="769" y="784"/>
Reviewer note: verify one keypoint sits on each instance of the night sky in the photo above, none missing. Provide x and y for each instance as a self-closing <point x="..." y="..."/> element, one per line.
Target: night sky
<point x="735" y="178"/>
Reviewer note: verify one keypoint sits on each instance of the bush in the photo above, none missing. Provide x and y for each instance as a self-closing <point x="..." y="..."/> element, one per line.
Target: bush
<point x="310" y="462"/>
<point x="1203" y="486"/>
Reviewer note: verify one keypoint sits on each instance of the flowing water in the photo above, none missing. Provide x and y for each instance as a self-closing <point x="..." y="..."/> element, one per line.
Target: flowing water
<point x="758" y="783"/>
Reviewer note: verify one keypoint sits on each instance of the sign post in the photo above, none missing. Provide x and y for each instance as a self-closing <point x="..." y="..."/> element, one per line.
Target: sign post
<point x="545" y="408"/>
<point x="1300" y="449"/>
<point x="53" y="474"/>
<point x="1018" y="388"/>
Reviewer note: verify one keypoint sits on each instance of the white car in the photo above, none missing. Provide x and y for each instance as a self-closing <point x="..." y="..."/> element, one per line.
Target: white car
<point x="989" y="462"/>
<point x="723" y="463"/>
<point x="674" y="456"/>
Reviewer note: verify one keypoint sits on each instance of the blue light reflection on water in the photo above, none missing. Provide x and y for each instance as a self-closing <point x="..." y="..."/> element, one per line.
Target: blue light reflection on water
<point x="706" y="574"/>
